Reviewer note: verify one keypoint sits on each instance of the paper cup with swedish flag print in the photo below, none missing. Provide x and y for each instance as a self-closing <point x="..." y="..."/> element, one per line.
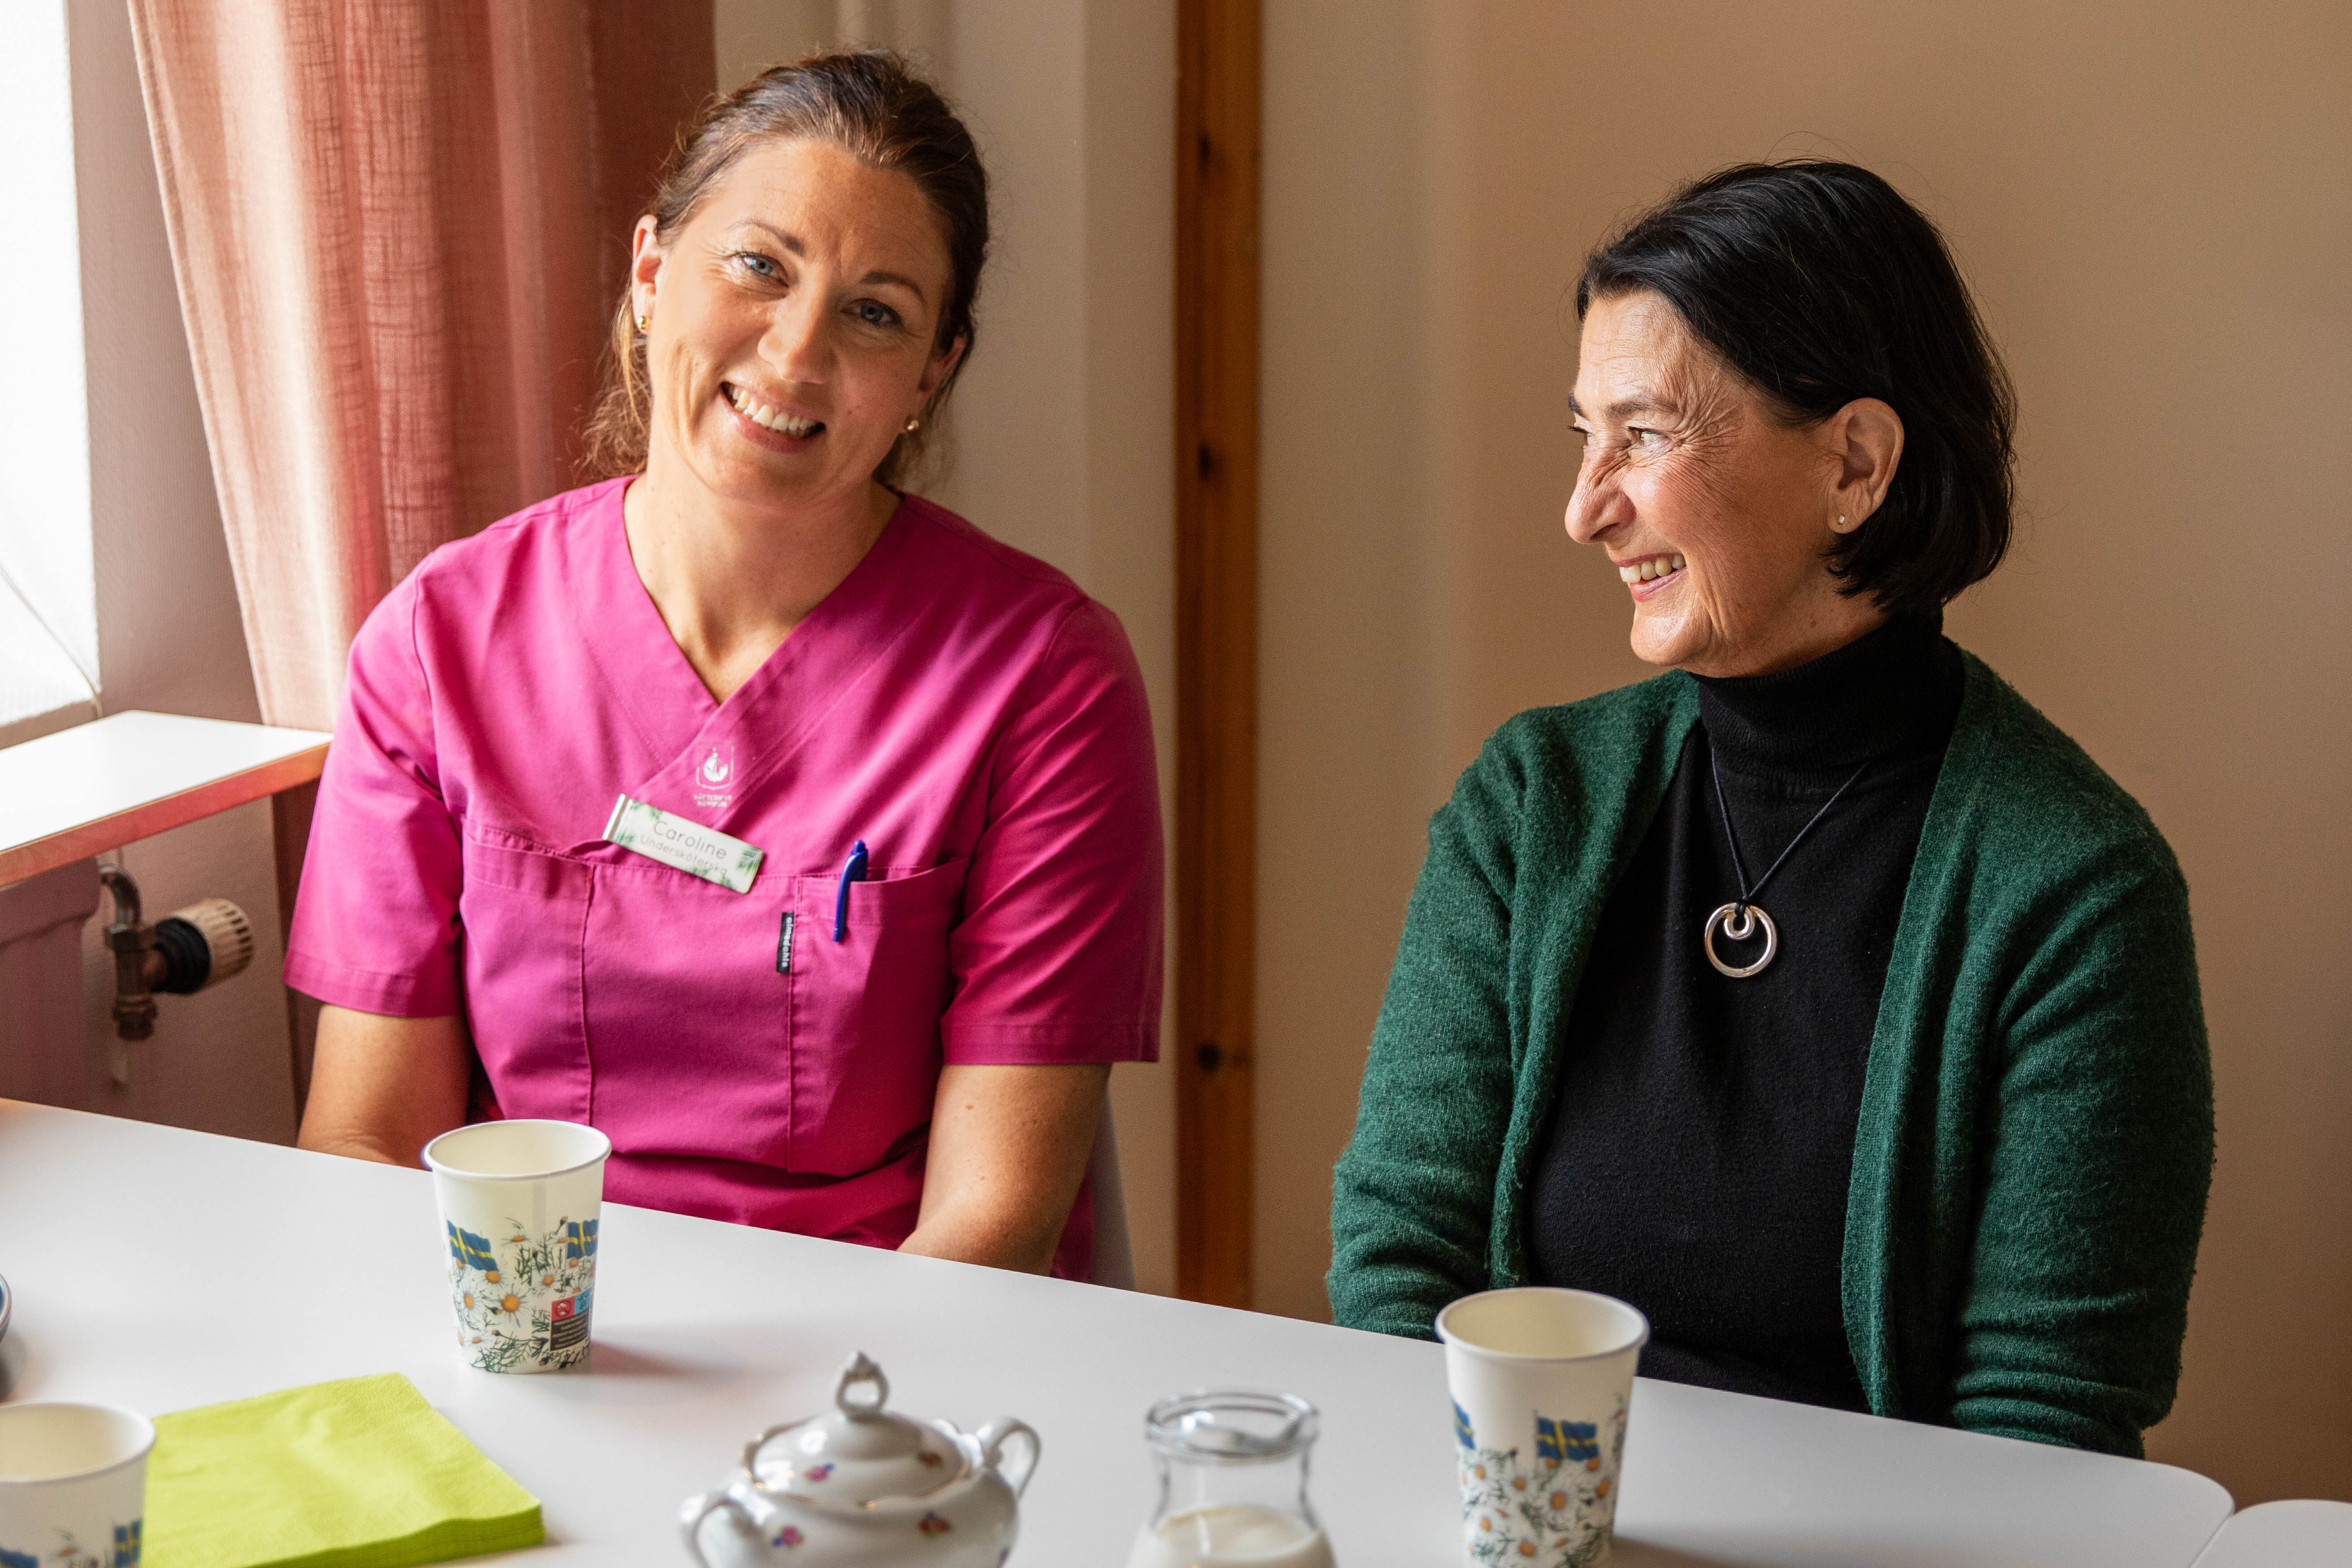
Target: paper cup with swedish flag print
<point x="1540" y="1378"/>
<point x="520" y="1203"/>
<point x="73" y="1486"/>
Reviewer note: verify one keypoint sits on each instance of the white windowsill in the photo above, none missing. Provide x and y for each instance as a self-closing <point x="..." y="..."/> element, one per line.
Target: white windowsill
<point x="131" y="775"/>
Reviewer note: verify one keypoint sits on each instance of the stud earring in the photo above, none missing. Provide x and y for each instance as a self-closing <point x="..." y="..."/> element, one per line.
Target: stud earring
<point x="642" y="321"/>
<point x="913" y="424"/>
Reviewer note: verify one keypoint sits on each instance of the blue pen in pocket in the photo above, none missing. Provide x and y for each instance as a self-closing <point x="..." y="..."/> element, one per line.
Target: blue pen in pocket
<point x="853" y="872"/>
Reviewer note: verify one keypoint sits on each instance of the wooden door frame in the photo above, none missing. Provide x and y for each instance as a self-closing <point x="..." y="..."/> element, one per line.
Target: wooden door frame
<point x="1218" y="81"/>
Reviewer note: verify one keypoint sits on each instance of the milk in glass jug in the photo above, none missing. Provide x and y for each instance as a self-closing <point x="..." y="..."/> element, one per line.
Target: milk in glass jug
<point x="1233" y="1484"/>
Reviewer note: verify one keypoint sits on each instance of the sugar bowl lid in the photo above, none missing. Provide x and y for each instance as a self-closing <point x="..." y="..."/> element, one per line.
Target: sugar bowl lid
<point x="859" y="1453"/>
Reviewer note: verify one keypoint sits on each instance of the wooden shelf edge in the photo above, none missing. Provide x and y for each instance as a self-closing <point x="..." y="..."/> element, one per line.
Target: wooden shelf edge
<point x="86" y="839"/>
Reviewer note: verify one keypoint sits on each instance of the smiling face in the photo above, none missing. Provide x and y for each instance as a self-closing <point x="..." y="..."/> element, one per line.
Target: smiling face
<point x="794" y="326"/>
<point x="1716" y="516"/>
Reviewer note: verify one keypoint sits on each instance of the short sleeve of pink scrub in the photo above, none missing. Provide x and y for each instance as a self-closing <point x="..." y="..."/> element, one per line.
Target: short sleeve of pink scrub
<point x="1061" y="931"/>
<point x="384" y="828"/>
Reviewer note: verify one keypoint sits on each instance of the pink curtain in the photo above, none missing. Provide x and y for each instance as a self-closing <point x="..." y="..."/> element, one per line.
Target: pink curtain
<point x="398" y="229"/>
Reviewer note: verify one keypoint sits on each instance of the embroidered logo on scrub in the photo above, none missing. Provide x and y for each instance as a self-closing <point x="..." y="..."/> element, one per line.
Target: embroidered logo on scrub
<point x="714" y="777"/>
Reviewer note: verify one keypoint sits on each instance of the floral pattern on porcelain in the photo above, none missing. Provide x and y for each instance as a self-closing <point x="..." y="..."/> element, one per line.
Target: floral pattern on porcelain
<point x="957" y="1506"/>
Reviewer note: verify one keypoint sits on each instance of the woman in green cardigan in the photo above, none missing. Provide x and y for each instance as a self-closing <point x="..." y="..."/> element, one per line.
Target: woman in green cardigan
<point x="1819" y="996"/>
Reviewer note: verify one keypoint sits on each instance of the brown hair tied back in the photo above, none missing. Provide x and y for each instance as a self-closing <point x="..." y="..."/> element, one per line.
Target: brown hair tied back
<point x="872" y="105"/>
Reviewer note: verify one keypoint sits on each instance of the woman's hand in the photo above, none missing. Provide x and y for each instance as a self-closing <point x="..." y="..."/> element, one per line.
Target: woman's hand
<point x="383" y="1088"/>
<point x="1009" y="1147"/>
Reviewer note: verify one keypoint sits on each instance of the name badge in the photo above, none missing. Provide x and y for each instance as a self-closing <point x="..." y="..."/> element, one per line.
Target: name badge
<point x="690" y="846"/>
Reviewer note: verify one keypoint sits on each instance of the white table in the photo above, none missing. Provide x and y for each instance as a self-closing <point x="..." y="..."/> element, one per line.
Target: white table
<point x="158" y="1269"/>
<point x="2304" y="1534"/>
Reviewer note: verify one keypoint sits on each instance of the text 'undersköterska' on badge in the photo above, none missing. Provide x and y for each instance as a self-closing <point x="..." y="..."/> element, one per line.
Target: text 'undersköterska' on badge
<point x="690" y="846"/>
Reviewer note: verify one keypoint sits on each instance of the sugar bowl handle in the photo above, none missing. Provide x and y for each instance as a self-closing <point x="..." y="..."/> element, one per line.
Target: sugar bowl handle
<point x="995" y="1438"/>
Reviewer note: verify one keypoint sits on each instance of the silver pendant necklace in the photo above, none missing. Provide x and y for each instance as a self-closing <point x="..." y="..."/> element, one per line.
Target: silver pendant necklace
<point x="1740" y="917"/>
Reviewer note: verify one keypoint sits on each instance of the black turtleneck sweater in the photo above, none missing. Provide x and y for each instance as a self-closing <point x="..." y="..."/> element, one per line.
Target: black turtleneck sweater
<point x="1697" y="1155"/>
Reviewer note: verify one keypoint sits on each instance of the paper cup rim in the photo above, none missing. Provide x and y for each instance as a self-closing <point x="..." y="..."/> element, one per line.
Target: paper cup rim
<point x="146" y="1442"/>
<point x="1471" y="1347"/>
<point x="441" y="1168"/>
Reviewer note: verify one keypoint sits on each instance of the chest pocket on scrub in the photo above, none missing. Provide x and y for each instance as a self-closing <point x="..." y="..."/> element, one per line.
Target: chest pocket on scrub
<point x="689" y="1024"/>
<point x="865" y="1013"/>
<point x="524" y="911"/>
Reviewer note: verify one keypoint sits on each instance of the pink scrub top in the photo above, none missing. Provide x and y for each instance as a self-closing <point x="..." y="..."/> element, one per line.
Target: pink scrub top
<point x="961" y="707"/>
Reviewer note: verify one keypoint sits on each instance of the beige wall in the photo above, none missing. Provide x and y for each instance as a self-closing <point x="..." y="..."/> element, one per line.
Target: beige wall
<point x="2153" y="203"/>
<point x="1061" y="430"/>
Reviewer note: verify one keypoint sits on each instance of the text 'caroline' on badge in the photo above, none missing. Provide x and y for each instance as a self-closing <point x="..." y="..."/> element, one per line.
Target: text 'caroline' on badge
<point x="690" y="846"/>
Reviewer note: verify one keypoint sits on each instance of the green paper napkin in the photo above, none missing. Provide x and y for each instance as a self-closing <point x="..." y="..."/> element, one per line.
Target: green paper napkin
<point x="360" y="1473"/>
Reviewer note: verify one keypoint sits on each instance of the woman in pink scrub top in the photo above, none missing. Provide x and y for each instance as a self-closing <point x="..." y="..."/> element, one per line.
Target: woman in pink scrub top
<point x="900" y="1033"/>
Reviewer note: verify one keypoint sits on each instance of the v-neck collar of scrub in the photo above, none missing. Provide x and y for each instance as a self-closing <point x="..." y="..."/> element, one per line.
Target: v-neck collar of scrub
<point x="661" y="681"/>
<point x="822" y="654"/>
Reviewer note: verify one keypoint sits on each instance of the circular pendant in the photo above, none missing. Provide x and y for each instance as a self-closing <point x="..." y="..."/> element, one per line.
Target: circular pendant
<point x="1740" y="924"/>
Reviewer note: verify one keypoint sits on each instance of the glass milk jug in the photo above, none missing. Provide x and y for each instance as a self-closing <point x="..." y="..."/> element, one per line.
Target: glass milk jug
<point x="1233" y="1484"/>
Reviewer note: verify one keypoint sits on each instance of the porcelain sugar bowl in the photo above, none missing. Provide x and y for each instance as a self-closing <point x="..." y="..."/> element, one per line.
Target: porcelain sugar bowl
<point x="861" y="1485"/>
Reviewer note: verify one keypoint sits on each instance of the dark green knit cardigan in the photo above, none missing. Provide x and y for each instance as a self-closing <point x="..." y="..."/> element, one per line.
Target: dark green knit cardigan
<point x="2036" y="1132"/>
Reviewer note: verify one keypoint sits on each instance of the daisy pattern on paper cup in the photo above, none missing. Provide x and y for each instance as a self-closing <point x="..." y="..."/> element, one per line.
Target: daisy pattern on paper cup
<point x="1541" y="1379"/>
<point x="519" y="1213"/>
<point x="522" y="1302"/>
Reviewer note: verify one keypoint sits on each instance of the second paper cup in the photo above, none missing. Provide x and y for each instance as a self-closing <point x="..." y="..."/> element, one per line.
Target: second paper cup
<point x="1540" y="1378"/>
<point x="73" y="1485"/>
<point x="520" y="1203"/>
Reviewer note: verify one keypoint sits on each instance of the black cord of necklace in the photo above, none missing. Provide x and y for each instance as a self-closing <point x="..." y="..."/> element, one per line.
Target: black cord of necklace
<point x="1746" y="892"/>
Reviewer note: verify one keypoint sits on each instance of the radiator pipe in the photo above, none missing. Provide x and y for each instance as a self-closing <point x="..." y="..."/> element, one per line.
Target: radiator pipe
<point x="132" y="940"/>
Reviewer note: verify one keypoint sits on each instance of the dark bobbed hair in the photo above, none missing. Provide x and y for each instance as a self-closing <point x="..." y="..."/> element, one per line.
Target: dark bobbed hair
<point x="1819" y="284"/>
<point x="872" y="105"/>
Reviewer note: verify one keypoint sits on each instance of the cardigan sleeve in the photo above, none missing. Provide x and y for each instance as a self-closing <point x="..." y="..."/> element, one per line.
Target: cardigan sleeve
<point x="1413" y="1196"/>
<point x="2076" y="1293"/>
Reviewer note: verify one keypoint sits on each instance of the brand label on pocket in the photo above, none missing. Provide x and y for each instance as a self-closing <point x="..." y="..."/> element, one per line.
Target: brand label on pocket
<point x="690" y="846"/>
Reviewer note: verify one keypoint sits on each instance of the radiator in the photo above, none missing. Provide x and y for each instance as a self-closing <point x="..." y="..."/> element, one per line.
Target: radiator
<point x="44" y="1028"/>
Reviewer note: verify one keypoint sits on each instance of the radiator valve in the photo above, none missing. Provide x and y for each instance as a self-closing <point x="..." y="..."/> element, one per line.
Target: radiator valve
<point x="185" y="951"/>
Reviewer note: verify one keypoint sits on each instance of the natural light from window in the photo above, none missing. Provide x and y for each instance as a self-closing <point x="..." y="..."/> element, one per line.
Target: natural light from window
<point x="49" y="600"/>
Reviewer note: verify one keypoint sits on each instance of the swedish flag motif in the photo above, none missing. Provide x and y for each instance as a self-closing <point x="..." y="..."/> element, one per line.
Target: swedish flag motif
<point x="1579" y="1438"/>
<point x="1562" y="1441"/>
<point x="578" y="1240"/>
<point x="126" y="1543"/>
<point x="1462" y="1428"/>
<point x="471" y="1250"/>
